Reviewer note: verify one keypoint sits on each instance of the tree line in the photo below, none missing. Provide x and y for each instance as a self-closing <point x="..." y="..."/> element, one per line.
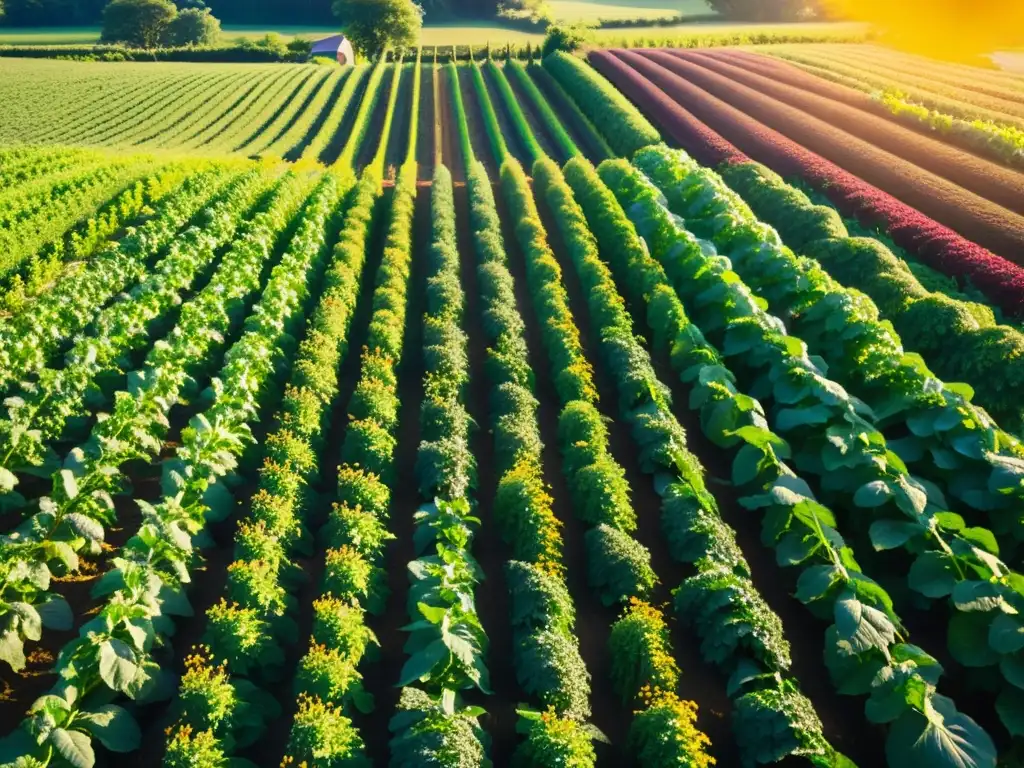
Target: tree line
<point x="42" y="13"/>
<point x="64" y="13"/>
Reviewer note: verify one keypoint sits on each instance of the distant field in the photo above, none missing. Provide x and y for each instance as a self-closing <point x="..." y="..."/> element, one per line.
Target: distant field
<point x="587" y="10"/>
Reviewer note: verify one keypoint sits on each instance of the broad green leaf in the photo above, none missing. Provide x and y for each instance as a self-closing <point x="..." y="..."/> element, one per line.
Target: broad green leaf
<point x="1010" y="706"/>
<point x="873" y="494"/>
<point x="56" y="613"/>
<point x="1012" y="668"/>
<point x="944" y="738"/>
<point x="1006" y="635"/>
<point x="69" y="483"/>
<point x="981" y="538"/>
<point x="932" y="575"/>
<point x="977" y="596"/>
<point x="891" y="534"/>
<point x="84" y="526"/>
<point x="433" y="614"/>
<point x="815" y="582"/>
<point x="12" y="649"/>
<point x="73" y="746"/>
<point x="862" y="626"/>
<point x="968" y="639"/>
<point x="7" y="481"/>
<point x="117" y="665"/>
<point x="419" y="665"/>
<point x="114" y="727"/>
<point x="31" y="623"/>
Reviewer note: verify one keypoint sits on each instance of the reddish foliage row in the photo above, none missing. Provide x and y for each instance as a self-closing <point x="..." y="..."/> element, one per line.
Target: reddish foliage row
<point x="988" y="180"/>
<point x="707" y="146"/>
<point x="977" y="219"/>
<point x="940" y="247"/>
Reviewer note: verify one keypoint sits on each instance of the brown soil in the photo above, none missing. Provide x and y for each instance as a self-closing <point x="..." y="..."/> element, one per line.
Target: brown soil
<point x="375" y="125"/>
<point x="512" y="139"/>
<point x="428" y="135"/>
<point x="398" y="140"/>
<point x="535" y="123"/>
<point x="492" y="593"/>
<point x="579" y="133"/>
<point x="381" y="676"/>
<point x="337" y="143"/>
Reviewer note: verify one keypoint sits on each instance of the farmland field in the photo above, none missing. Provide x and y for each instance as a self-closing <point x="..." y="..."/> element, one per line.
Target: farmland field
<point x="653" y="407"/>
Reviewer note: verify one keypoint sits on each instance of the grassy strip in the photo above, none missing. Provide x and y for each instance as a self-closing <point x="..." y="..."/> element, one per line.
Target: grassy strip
<point x="622" y="126"/>
<point x="519" y="122"/>
<point x="566" y="147"/>
<point x="332" y="123"/>
<point x="362" y="120"/>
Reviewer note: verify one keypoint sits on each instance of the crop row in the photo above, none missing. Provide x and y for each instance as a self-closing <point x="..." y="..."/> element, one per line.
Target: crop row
<point x="39" y="414"/>
<point x="948" y="97"/>
<point x="985" y="179"/>
<point x="773" y="367"/>
<point x="641" y="633"/>
<point x="252" y="109"/>
<point x="713" y="96"/>
<point x="73" y="518"/>
<point x="29" y="339"/>
<point x="932" y="243"/>
<point x="68" y="249"/>
<point x="768" y="700"/>
<point x="143" y="586"/>
<point x="1002" y="144"/>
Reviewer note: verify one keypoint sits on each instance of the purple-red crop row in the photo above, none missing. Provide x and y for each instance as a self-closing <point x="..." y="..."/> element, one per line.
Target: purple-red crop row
<point x="714" y="133"/>
<point x="966" y="213"/>
<point x="986" y="179"/>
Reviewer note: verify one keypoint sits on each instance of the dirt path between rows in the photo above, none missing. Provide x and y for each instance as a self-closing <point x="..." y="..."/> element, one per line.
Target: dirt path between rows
<point x="490" y="551"/>
<point x="593" y="619"/>
<point x="382" y="673"/>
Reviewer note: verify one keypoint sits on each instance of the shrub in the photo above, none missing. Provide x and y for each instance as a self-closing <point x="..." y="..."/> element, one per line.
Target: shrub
<point x="206" y="698"/>
<point x="322" y="736"/>
<point x="618" y="566"/>
<point x="665" y="733"/>
<point x="327" y="674"/>
<point x="192" y="27"/>
<point x="565" y="37"/>
<point x="341" y="625"/>
<point x="549" y="666"/>
<point x="241" y="637"/>
<point x="139" y="23"/>
<point x="357" y="528"/>
<point x="601" y="494"/>
<point x="189" y="749"/>
<point x="369" y="446"/>
<point x="641" y="652"/>
<point x="359" y="488"/>
<point x="539" y="599"/>
<point x="553" y="740"/>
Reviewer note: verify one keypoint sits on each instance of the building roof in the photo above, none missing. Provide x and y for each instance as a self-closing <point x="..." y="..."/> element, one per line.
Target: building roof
<point x="329" y="44"/>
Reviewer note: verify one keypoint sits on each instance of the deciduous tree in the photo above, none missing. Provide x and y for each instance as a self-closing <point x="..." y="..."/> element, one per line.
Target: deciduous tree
<point x="373" y="25"/>
<point x="193" y="26"/>
<point x="140" y="23"/>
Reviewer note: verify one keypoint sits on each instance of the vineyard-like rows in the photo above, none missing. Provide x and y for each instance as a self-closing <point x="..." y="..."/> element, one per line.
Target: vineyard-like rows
<point x="514" y="436"/>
